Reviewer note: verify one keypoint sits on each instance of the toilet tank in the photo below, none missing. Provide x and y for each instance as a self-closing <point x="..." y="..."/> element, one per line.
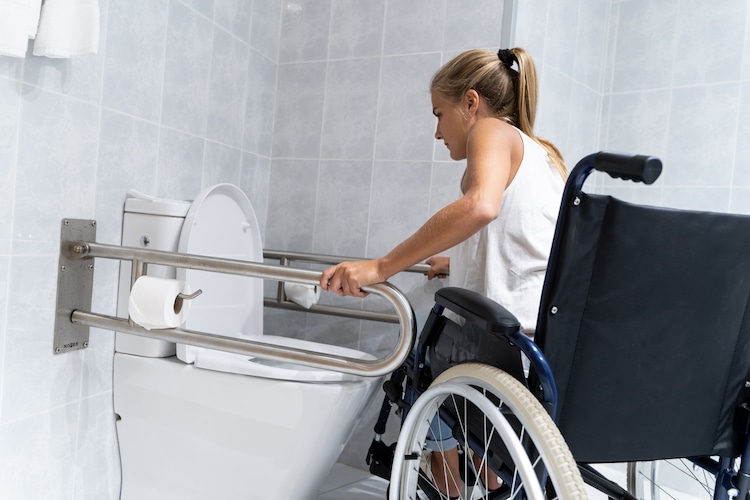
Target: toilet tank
<point x="155" y="224"/>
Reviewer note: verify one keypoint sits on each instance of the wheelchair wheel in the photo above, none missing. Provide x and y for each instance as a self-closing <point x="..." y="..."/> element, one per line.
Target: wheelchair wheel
<point x="492" y="416"/>
<point x="667" y="479"/>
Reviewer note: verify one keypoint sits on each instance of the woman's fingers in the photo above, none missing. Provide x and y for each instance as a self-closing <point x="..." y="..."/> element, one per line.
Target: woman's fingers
<point x="342" y="280"/>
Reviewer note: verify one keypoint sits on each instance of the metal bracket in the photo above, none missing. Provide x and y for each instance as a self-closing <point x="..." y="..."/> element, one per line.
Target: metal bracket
<point x="75" y="279"/>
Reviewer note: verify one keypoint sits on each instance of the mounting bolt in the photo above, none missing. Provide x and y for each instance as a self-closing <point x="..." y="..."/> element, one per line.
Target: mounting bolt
<point x="91" y="267"/>
<point x="93" y="223"/>
<point x="553" y="310"/>
<point x="85" y="345"/>
<point x="58" y="350"/>
<point x="62" y="268"/>
<point x="577" y="201"/>
<point x="66" y="222"/>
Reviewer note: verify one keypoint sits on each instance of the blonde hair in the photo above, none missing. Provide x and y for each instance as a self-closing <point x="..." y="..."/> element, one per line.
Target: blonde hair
<point x="511" y="93"/>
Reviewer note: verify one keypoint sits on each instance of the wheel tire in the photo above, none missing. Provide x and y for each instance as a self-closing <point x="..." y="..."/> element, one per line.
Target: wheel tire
<point x="508" y="410"/>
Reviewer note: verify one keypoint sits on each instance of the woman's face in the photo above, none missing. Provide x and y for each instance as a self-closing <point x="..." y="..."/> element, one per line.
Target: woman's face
<point x="452" y="125"/>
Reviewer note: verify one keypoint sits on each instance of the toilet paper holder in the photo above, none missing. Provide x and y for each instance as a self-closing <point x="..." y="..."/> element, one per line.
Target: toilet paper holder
<point x="73" y="316"/>
<point x="185" y="296"/>
<point x="181" y="297"/>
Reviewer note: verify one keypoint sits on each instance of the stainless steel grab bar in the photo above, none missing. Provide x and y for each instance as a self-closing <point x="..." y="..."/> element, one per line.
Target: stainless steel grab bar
<point x="280" y="301"/>
<point x="325" y="259"/>
<point x="75" y="279"/>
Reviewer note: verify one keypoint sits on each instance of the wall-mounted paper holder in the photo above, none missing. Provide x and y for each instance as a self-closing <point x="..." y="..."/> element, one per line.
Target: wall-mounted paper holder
<point x="73" y="317"/>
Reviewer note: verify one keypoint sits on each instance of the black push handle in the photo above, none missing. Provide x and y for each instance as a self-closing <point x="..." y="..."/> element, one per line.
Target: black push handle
<point x="638" y="168"/>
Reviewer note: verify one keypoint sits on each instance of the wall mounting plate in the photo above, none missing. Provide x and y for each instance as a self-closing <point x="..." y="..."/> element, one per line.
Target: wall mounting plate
<point x="75" y="279"/>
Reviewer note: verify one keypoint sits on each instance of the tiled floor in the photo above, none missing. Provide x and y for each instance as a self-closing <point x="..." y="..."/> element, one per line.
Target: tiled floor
<point x="348" y="483"/>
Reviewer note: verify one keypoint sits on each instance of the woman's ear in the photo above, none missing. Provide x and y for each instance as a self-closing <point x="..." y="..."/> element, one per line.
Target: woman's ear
<point x="471" y="100"/>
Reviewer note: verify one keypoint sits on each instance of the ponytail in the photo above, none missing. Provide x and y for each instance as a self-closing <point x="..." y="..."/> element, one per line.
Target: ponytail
<point x="527" y="95"/>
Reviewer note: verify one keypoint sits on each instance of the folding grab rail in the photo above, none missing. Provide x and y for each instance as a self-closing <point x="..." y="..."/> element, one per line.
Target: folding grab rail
<point x="285" y="258"/>
<point x="78" y="249"/>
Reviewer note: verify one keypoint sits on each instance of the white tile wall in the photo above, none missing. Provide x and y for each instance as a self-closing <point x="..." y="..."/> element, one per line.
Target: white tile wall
<point x="162" y="109"/>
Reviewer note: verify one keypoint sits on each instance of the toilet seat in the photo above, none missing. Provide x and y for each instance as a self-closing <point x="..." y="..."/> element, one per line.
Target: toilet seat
<point x="228" y="362"/>
<point x="221" y="222"/>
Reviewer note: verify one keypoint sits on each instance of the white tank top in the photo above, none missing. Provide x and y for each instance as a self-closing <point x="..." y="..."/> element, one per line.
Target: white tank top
<point x="507" y="259"/>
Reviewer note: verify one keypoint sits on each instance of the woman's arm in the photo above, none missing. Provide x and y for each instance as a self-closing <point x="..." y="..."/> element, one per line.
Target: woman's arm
<point x="488" y="169"/>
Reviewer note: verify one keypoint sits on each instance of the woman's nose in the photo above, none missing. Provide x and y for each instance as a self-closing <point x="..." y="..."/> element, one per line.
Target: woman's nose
<point x="438" y="135"/>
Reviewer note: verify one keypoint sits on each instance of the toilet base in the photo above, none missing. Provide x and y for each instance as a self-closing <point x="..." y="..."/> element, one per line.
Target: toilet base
<point x="187" y="433"/>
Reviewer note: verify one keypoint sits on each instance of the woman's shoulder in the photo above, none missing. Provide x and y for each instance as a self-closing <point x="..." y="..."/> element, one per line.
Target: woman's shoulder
<point x="494" y="131"/>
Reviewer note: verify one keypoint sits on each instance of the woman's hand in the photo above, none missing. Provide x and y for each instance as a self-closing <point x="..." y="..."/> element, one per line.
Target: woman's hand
<point x="348" y="278"/>
<point x="439" y="267"/>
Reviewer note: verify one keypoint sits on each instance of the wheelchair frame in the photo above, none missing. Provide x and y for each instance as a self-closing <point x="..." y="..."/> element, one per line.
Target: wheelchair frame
<point x="417" y="375"/>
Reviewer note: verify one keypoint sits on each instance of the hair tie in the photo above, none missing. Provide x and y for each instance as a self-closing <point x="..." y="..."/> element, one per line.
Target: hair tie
<point x="507" y="57"/>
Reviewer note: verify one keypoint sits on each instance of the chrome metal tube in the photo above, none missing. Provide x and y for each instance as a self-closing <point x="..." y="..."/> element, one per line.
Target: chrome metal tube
<point x="343" y="312"/>
<point x="281" y="301"/>
<point x="200" y="262"/>
<point x="371" y="368"/>
<point x="283" y="255"/>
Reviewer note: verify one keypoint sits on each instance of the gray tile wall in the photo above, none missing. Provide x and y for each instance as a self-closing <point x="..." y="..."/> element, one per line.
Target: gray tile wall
<point x="338" y="156"/>
<point x="678" y="89"/>
<point x="180" y="96"/>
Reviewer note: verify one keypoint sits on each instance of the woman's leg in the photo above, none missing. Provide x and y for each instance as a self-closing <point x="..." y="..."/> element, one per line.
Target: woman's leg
<point x="444" y="463"/>
<point x="445" y="472"/>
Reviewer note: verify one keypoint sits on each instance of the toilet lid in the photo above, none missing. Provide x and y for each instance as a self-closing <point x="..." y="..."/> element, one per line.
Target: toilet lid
<point x="221" y="223"/>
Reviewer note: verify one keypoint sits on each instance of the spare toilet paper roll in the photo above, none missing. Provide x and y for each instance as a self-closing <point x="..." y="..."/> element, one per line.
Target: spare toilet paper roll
<point x="304" y="295"/>
<point x="154" y="302"/>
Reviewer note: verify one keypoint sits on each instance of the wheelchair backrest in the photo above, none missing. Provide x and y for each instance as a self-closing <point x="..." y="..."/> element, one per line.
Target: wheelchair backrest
<point x="645" y="323"/>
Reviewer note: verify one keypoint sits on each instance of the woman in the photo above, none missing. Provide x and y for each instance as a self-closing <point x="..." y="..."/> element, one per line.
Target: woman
<point x="500" y="229"/>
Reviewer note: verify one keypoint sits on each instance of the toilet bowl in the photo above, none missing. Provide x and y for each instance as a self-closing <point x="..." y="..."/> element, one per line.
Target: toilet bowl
<point x="196" y="423"/>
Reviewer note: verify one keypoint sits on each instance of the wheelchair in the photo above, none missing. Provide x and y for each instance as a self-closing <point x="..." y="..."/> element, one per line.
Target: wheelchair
<point x="641" y="356"/>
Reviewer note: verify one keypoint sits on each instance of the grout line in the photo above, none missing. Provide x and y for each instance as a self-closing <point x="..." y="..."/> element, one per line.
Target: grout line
<point x="3" y="341"/>
<point x="375" y="132"/>
<point x="156" y="186"/>
<point x="208" y="97"/>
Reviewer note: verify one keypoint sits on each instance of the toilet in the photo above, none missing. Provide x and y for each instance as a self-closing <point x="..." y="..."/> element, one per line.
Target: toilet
<point x="196" y="423"/>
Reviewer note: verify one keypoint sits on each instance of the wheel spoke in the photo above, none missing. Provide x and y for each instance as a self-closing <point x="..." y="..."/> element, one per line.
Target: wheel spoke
<point x="670" y="478"/>
<point x="486" y="404"/>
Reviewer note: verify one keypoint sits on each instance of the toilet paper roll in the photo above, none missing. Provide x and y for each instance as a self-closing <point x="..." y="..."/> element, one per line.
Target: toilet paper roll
<point x="304" y="295"/>
<point x="154" y="302"/>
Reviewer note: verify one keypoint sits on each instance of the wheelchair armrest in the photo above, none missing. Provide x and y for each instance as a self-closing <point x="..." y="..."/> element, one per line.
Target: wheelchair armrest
<point x="477" y="308"/>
